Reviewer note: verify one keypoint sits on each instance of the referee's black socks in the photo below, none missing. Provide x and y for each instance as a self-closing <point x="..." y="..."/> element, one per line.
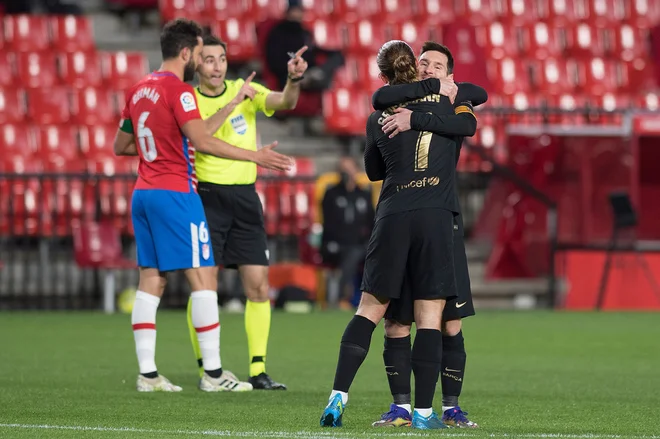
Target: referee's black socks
<point x="396" y="356"/>
<point x="453" y="368"/>
<point x="352" y="351"/>
<point x="426" y="361"/>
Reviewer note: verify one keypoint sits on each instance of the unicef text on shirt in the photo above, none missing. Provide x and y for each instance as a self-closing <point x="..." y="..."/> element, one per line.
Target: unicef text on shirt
<point x="421" y="183"/>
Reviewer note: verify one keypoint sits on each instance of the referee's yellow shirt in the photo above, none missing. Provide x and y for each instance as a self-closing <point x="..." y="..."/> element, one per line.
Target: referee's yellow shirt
<point x="240" y="129"/>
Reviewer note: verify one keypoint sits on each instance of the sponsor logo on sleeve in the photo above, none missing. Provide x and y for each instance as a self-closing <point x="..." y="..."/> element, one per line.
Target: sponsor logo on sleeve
<point x="188" y="102"/>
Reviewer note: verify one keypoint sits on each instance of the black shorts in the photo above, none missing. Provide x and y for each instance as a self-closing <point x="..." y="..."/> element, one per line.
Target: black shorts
<point x="417" y="245"/>
<point x="236" y="222"/>
<point x="459" y="307"/>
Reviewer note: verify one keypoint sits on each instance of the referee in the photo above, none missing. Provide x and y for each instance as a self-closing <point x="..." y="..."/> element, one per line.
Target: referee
<point x="232" y="206"/>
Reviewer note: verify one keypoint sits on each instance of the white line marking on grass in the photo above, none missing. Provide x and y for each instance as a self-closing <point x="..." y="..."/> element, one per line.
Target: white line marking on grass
<point x="319" y="434"/>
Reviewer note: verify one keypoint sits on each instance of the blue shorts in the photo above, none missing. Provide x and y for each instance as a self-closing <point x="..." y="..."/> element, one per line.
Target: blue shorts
<point x="171" y="232"/>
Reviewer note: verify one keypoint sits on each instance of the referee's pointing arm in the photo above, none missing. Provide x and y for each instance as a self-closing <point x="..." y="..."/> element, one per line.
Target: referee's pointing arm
<point x="288" y="98"/>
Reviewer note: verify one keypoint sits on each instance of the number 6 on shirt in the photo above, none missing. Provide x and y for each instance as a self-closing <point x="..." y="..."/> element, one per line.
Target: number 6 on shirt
<point x="146" y="139"/>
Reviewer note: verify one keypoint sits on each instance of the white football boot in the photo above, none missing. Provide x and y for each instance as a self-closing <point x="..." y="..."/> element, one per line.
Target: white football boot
<point x="228" y="382"/>
<point x="159" y="384"/>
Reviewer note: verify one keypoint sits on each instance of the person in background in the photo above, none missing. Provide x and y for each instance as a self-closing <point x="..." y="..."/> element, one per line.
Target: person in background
<point x="288" y="36"/>
<point x="348" y="216"/>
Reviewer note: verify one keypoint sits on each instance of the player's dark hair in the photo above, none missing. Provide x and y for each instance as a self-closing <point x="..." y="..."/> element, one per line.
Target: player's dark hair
<point x="396" y="60"/>
<point x="177" y="35"/>
<point x="432" y="45"/>
<point x="212" y="40"/>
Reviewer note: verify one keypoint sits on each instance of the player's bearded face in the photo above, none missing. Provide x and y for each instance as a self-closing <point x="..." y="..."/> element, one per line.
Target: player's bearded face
<point x="189" y="70"/>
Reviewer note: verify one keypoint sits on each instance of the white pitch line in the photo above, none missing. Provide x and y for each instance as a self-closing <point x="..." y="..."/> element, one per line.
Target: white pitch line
<point x="318" y="435"/>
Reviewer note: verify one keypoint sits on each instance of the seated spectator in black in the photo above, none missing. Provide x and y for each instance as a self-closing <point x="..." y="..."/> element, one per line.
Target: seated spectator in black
<point x="290" y="35"/>
<point x="348" y="216"/>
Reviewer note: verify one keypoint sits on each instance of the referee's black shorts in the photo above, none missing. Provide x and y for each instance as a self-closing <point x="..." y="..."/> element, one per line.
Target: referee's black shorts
<point x="236" y="221"/>
<point x="459" y="307"/>
<point x="417" y="245"/>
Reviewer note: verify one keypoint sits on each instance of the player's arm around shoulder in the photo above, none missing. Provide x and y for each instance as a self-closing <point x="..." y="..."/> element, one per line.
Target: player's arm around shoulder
<point x="393" y="95"/>
<point x="467" y="91"/>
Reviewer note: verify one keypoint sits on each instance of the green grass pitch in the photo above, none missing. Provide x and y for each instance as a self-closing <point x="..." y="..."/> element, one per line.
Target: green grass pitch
<point x="535" y="375"/>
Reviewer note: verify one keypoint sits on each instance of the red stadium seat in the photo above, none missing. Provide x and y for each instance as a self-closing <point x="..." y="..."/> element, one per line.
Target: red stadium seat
<point x="540" y="41"/>
<point x="98" y="245"/>
<point x="367" y="36"/>
<point x="81" y="69"/>
<point x="611" y="102"/>
<point x="647" y="101"/>
<point x="555" y="75"/>
<point x="115" y="199"/>
<point x="26" y="33"/>
<point x="314" y="9"/>
<point x="584" y="40"/>
<point x="17" y="140"/>
<point x="36" y="70"/>
<point x="597" y="76"/>
<point x="171" y="9"/>
<point x="346" y="76"/>
<point x="49" y="105"/>
<point x="516" y="12"/>
<point x="7" y="71"/>
<point x="416" y="32"/>
<point x="351" y="10"/>
<point x="22" y="194"/>
<point x="603" y="13"/>
<point x="58" y="142"/>
<point x="567" y="103"/>
<point x="12" y="105"/>
<point x="628" y="43"/>
<point x="302" y="200"/>
<point x="271" y="207"/>
<point x="96" y="142"/>
<point x="222" y="10"/>
<point x="477" y="11"/>
<point x="72" y="33"/>
<point x="642" y="14"/>
<point x="520" y="102"/>
<point x="561" y="13"/>
<point x="499" y="41"/>
<point x="125" y="69"/>
<point x="240" y="35"/>
<point x="345" y="111"/>
<point x="508" y="75"/>
<point x="637" y="76"/>
<point x="328" y="33"/>
<point x="367" y="74"/>
<point x="64" y="195"/>
<point x="304" y="166"/>
<point x="91" y="106"/>
<point x="275" y="9"/>
<point x="395" y="11"/>
<point x="440" y="11"/>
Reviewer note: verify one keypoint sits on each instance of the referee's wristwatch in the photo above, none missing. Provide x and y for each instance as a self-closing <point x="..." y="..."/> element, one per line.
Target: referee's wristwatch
<point x="300" y="78"/>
